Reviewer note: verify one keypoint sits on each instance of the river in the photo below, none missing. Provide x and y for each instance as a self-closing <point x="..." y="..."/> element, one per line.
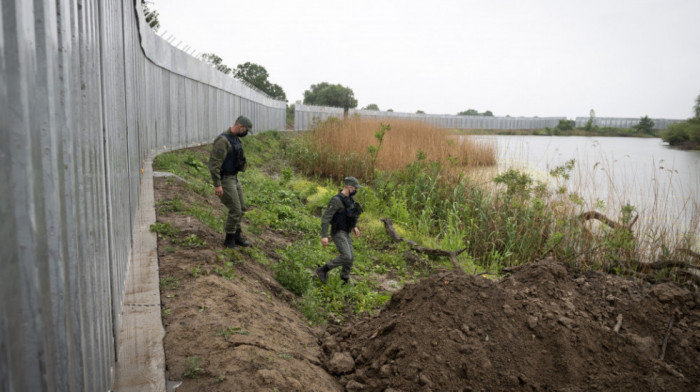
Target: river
<point x="662" y="183"/>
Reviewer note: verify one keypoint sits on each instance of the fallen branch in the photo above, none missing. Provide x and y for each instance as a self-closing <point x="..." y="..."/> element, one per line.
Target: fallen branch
<point x="614" y="225"/>
<point x="389" y="226"/>
<point x="690" y="253"/>
<point x="668" y="333"/>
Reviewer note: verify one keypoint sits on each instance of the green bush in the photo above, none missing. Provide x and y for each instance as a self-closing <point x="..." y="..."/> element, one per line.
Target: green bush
<point x="682" y="132"/>
<point x="293" y="275"/>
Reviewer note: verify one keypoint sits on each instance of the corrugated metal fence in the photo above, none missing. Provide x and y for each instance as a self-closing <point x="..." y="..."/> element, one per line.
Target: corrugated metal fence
<point x="87" y="92"/>
<point x="618" y="122"/>
<point x="306" y="116"/>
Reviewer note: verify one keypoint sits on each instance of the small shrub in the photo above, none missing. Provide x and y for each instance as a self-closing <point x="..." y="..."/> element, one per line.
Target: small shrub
<point x="169" y="283"/>
<point x="293" y="276"/>
<point x="192" y="369"/>
<point x="164" y="229"/>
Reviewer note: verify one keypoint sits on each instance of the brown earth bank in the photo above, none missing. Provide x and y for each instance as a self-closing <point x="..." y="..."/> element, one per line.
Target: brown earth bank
<point x="541" y="328"/>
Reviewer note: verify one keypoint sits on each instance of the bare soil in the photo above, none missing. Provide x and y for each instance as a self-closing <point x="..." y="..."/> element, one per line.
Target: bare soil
<point x="543" y="328"/>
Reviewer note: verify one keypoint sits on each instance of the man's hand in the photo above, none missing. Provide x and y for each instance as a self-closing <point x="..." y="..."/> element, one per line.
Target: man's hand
<point x="357" y="232"/>
<point x="219" y="191"/>
<point x="324" y="241"/>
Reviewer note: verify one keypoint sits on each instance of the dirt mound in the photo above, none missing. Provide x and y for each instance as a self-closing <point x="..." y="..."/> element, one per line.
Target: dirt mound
<point x="542" y="329"/>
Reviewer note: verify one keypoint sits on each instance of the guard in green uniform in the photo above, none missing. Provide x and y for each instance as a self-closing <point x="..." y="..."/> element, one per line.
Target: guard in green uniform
<point x="341" y="215"/>
<point x="225" y="162"/>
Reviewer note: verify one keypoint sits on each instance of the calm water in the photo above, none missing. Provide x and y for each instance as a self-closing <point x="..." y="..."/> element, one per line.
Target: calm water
<point x="662" y="183"/>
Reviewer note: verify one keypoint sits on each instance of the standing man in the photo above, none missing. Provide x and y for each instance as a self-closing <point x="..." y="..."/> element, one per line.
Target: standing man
<point x="225" y="162"/>
<point x="341" y="214"/>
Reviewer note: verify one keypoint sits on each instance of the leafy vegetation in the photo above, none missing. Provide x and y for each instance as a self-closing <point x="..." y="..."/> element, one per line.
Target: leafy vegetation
<point x="428" y="185"/>
<point x="474" y="112"/>
<point x="193" y="370"/>
<point x="685" y="134"/>
<point x="326" y="94"/>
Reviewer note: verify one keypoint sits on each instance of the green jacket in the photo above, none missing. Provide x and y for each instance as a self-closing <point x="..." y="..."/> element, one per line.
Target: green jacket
<point x="334" y="206"/>
<point x="219" y="151"/>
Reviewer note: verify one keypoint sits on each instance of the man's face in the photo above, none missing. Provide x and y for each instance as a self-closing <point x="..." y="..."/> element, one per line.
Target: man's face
<point x="239" y="129"/>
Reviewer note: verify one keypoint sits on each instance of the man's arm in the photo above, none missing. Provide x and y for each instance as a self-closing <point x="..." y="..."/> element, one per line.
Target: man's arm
<point x="334" y="206"/>
<point x="216" y="159"/>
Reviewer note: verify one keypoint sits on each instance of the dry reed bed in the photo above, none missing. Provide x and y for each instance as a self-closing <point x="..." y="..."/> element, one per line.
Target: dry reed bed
<point x="402" y="144"/>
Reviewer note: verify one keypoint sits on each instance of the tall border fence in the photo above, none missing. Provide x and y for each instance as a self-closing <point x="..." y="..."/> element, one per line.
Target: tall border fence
<point x="619" y="122"/>
<point x="87" y="93"/>
<point x="307" y="116"/>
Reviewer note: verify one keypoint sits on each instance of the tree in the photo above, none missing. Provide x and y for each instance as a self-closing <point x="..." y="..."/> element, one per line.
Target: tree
<point x="474" y="112"/>
<point x="390" y="110"/>
<point x="371" y="106"/>
<point x="290" y="114"/>
<point x="591" y="119"/>
<point x="696" y="108"/>
<point x="565" y="125"/>
<point x="326" y="94"/>
<point x="645" y="125"/>
<point x="420" y="112"/>
<point x="216" y="62"/>
<point x="257" y="76"/>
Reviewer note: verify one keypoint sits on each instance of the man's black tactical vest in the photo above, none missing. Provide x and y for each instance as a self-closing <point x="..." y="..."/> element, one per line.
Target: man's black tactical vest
<point x="346" y="219"/>
<point x="235" y="160"/>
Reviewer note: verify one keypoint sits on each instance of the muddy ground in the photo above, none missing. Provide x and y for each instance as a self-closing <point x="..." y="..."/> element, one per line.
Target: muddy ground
<point x="543" y="328"/>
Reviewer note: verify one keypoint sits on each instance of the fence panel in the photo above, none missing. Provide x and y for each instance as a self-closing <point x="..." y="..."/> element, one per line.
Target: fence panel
<point x="87" y="92"/>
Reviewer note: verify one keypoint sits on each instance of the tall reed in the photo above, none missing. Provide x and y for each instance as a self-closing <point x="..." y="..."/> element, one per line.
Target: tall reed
<point x="338" y="148"/>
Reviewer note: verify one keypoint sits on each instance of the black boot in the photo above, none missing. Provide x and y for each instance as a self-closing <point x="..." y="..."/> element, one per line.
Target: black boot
<point x="346" y="282"/>
<point x="322" y="273"/>
<point x="230" y="241"/>
<point x="239" y="239"/>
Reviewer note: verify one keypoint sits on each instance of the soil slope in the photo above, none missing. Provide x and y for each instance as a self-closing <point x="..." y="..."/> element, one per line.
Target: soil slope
<point x="541" y="329"/>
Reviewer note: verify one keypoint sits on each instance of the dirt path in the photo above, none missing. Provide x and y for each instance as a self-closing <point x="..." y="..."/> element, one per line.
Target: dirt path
<point x="234" y="328"/>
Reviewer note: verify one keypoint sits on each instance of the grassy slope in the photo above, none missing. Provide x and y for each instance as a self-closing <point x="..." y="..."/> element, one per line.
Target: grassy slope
<point x="279" y="199"/>
<point x="522" y="222"/>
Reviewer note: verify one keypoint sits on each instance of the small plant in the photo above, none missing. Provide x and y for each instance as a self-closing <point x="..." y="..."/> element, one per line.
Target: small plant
<point x="166" y="311"/>
<point x="169" y="283"/>
<point x="286" y="175"/>
<point x="563" y="171"/>
<point x="293" y="276"/>
<point x="220" y="378"/>
<point x="195" y="164"/>
<point x="203" y="308"/>
<point x="164" y="229"/>
<point x="196" y="271"/>
<point x="193" y="241"/>
<point x="228" y="332"/>
<point x="379" y="135"/>
<point x="518" y="183"/>
<point x="174" y="205"/>
<point x="193" y="370"/>
<point x="170" y="249"/>
<point x="226" y="271"/>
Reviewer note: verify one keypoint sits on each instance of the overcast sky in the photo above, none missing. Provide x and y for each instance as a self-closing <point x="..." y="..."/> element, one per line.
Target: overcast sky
<point x="622" y="58"/>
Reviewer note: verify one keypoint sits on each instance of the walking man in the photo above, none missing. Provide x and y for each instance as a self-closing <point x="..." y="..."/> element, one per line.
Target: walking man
<point x="225" y="162"/>
<point x="341" y="214"/>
